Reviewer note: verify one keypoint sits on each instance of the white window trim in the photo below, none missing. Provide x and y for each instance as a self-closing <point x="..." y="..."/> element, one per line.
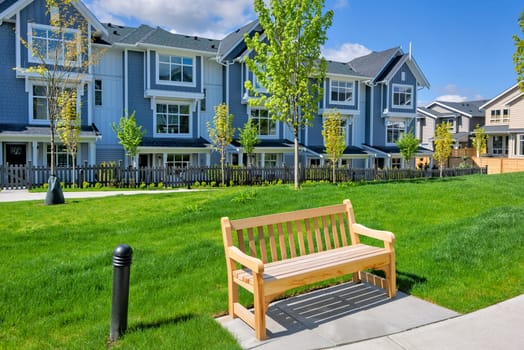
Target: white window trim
<point x="174" y="83"/>
<point x="349" y="122"/>
<point x="398" y="121"/>
<point x="277" y="124"/>
<point x="410" y="106"/>
<point x="332" y="102"/>
<point x="172" y="136"/>
<point x="33" y="59"/>
<point x="520" y="145"/>
<point x="33" y="121"/>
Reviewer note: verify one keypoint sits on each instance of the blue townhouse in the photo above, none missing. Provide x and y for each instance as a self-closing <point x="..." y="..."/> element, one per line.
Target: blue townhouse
<point x="172" y="83"/>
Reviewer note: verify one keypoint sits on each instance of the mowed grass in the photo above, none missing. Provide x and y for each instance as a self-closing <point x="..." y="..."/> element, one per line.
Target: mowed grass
<point x="459" y="244"/>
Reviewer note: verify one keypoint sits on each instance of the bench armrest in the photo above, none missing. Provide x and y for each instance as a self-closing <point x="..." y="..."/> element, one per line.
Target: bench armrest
<point x="254" y="264"/>
<point x="385" y="236"/>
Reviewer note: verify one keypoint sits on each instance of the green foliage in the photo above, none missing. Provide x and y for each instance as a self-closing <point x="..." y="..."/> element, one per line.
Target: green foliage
<point x="518" y="56"/>
<point x="248" y="138"/>
<point x="287" y="61"/>
<point x="334" y="138"/>
<point x="85" y="184"/>
<point x="129" y="134"/>
<point x="245" y="196"/>
<point x="480" y="140"/>
<point x="443" y="143"/>
<point x="408" y="145"/>
<point x="221" y="133"/>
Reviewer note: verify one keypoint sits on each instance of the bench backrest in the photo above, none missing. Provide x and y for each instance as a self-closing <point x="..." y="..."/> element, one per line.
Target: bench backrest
<point x="286" y="235"/>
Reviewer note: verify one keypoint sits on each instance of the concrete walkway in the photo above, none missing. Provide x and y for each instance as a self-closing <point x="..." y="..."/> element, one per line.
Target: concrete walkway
<point x="358" y="317"/>
<point x="24" y="195"/>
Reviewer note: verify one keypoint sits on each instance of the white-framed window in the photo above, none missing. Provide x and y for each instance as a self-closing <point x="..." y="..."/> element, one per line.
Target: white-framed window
<point x="451" y="124"/>
<point x="341" y="92"/>
<point x="178" y="160"/>
<point x="174" y="69"/>
<point x="39" y="104"/>
<point x="98" y="92"/>
<point x="521" y="145"/>
<point x="495" y="116"/>
<point x="62" y="157"/>
<point x="505" y="115"/>
<point x="262" y="120"/>
<point x="172" y="119"/>
<point x="402" y="96"/>
<point x="267" y="160"/>
<point x="394" y="130"/>
<point x="396" y="163"/>
<point x="53" y="44"/>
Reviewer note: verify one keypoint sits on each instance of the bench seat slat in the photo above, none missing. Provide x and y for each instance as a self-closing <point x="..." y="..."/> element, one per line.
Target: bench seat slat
<point x="313" y="262"/>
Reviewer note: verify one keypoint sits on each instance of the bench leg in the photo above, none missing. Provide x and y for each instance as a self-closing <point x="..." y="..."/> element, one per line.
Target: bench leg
<point x="260" y="309"/>
<point x="232" y="296"/>
<point x="391" y="279"/>
<point x="356" y="277"/>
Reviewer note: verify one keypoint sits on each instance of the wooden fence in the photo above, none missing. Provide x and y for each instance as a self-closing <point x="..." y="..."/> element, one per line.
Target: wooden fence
<point x="22" y="176"/>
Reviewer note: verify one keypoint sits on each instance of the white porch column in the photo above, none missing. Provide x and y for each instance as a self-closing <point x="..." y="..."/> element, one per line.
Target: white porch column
<point x="34" y="152"/>
<point x="262" y="160"/>
<point x="91" y="153"/>
<point x="164" y="159"/>
<point x="2" y="150"/>
<point x="240" y="158"/>
<point x="208" y="159"/>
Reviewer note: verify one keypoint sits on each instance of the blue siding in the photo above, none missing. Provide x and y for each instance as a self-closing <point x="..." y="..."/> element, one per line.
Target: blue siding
<point x="13" y="98"/>
<point x="136" y="100"/>
<point x="379" y="131"/>
<point x="236" y="107"/>
<point x="169" y="87"/>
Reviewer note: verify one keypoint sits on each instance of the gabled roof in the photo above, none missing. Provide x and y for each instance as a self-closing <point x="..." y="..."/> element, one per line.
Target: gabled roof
<point x="399" y="61"/>
<point x="146" y="35"/>
<point x="230" y="41"/>
<point x="340" y="68"/>
<point x="434" y="114"/>
<point x="496" y="98"/>
<point x="468" y="108"/>
<point x="374" y="63"/>
<point x="16" y="6"/>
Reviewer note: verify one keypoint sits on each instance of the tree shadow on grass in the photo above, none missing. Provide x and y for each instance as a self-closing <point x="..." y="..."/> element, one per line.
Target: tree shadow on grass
<point x="141" y="326"/>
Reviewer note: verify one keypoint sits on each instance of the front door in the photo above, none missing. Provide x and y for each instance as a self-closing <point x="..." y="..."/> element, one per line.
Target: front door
<point x="15" y="153"/>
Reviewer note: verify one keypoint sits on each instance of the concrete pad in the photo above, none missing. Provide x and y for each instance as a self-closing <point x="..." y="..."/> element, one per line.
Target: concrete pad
<point x="25" y="195"/>
<point x="330" y="317"/>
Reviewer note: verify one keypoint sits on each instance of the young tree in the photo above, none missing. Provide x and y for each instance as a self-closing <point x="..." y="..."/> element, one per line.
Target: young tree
<point x="248" y="138"/>
<point x="68" y="125"/>
<point x="129" y="135"/>
<point x="480" y="140"/>
<point x="286" y="61"/>
<point x="221" y="133"/>
<point x="334" y="138"/>
<point x="518" y="56"/>
<point x="443" y="142"/>
<point x="408" y="145"/>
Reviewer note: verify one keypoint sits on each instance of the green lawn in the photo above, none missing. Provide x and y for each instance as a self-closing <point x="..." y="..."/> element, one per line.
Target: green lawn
<point x="459" y="244"/>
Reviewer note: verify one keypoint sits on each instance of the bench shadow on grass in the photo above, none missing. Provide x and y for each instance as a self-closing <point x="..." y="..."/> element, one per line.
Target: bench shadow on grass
<point x="310" y="310"/>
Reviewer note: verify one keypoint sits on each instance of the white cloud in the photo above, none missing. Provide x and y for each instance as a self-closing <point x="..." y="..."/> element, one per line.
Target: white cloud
<point x="452" y="98"/>
<point x="338" y="4"/>
<point x="346" y="52"/>
<point x="208" y="18"/>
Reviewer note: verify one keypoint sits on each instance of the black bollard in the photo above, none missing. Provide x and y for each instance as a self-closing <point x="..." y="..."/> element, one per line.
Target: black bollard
<point x="122" y="256"/>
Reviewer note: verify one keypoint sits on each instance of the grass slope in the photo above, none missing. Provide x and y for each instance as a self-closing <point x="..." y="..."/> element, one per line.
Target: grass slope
<point x="459" y="244"/>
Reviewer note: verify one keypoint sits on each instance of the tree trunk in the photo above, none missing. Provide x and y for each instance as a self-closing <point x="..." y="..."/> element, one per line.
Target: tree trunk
<point x="297" y="182"/>
<point x="334" y="173"/>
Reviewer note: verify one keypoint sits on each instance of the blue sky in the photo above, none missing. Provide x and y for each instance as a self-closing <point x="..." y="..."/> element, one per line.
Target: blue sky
<point x="464" y="48"/>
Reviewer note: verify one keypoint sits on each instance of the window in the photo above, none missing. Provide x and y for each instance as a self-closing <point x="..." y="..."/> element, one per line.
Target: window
<point x="262" y="120"/>
<point x="342" y="91"/>
<point x="396" y="163"/>
<point x="52" y="44"/>
<point x="178" y="160"/>
<point x="500" y="145"/>
<point x="521" y="145"/>
<point x="62" y="157"/>
<point x="402" y="96"/>
<point x="270" y="160"/>
<point x="505" y="115"/>
<point x="175" y="69"/>
<point x="40" y="111"/>
<point x="495" y="116"/>
<point x="172" y="119"/>
<point x="395" y="129"/>
<point x="98" y="92"/>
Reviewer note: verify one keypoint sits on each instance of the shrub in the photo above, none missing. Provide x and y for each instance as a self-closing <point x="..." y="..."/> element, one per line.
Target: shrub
<point x="143" y="185"/>
<point x="85" y="184"/>
<point x="98" y="185"/>
<point x="160" y="185"/>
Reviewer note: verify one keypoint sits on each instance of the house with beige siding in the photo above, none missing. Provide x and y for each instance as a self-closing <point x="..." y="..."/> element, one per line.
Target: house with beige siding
<point x="505" y="124"/>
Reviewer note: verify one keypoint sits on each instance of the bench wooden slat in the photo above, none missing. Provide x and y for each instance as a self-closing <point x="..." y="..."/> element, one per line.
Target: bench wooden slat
<point x="291" y="239"/>
<point x="342" y="226"/>
<point x="272" y="243"/>
<point x="252" y="245"/>
<point x="317" y="235"/>
<point x="334" y="231"/>
<point x="310" y="243"/>
<point x="262" y="244"/>
<point x="281" y="241"/>
<point x="300" y="234"/>
<point x="241" y="244"/>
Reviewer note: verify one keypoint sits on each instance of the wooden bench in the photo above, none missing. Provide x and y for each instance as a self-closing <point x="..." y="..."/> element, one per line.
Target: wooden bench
<point x="268" y="255"/>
